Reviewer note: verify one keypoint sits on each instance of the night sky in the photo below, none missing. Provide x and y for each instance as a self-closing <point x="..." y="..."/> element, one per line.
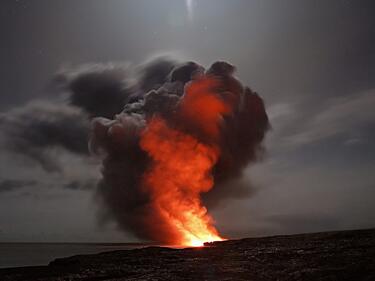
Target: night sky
<point x="313" y="62"/>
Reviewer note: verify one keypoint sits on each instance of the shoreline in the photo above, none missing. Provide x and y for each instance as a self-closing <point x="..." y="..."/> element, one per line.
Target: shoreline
<point x="337" y="255"/>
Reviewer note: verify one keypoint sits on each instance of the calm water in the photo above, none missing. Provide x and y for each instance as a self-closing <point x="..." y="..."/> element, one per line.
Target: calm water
<point x="26" y="254"/>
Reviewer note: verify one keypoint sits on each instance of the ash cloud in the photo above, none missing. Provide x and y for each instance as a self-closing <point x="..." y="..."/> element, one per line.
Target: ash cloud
<point x="124" y="162"/>
<point x="99" y="89"/>
<point x="119" y="100"/>
<point x="153" y="74"/>
<point x="33" y="130"/>
<point x="36" y="129"/>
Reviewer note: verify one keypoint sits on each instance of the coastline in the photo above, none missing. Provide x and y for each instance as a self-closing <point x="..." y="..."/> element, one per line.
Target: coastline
<point x="341" y="255"/>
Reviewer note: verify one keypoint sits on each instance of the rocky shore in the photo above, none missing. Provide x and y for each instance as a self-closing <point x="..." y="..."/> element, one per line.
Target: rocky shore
<point x="343" y="255"/>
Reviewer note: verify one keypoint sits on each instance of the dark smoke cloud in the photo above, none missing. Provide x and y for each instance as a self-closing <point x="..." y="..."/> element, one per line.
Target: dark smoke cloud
<point x="92" y="90"/>
<point x="155" y="73"/>
<point x="99" y="89"/>
<point x="125" y="162"/>
<point x="122" y="99"/>
<point x="33" y="130"/>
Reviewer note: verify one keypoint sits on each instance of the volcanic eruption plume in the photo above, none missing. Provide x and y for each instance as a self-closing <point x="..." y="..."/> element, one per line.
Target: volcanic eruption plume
<point x="192" y="132"/>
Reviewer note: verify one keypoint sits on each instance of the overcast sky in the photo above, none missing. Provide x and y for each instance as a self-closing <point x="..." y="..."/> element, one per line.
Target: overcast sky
<point x="313" y="62"/>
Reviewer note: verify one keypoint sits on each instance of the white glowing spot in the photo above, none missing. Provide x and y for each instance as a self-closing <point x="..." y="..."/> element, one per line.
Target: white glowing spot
<point x="189" y="7"/>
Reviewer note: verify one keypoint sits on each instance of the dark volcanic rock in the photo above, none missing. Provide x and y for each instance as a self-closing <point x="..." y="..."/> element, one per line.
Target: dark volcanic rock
<point x="345" y="255"/>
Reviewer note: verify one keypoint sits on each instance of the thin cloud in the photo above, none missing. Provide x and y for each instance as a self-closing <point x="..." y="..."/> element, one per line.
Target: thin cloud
<point x="345" y="116"/>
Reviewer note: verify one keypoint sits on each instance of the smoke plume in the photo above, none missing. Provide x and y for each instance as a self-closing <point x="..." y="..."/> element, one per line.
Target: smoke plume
<point x="173" y="137"/>
<point x="190" y="131"/>
<point x="32" y="130"/>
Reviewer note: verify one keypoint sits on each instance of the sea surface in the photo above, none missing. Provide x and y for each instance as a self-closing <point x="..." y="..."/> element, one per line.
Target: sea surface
<point x="29" y="254"/>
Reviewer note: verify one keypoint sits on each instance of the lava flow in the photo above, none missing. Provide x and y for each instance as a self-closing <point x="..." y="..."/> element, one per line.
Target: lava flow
<point x="182" y="164"/>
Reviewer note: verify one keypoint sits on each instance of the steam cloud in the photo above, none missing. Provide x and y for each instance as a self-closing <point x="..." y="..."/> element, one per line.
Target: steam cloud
<point x="121" y="101"/>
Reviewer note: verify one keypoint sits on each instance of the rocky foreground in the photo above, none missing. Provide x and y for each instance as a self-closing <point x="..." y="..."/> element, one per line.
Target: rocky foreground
<point x="344" y="255"/>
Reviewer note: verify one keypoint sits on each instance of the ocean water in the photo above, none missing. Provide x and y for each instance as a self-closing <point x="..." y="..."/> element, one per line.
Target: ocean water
<point x="29" y="254"/>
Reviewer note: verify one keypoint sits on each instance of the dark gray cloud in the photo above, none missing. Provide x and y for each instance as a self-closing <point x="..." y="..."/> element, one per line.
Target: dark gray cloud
<point x="155" y="73"/>
<point x="126" y="163"/>
<point x="40" y="128"/>
<point x="100" y="89"/>
<point x="46" y="131"/>
<point x="36" y="128"/>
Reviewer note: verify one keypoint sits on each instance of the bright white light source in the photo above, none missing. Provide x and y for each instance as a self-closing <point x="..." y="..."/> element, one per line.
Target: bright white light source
<point x="189" y="7"/>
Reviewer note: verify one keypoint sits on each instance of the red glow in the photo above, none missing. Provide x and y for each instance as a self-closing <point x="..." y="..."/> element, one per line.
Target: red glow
<point x="182" y="163"/>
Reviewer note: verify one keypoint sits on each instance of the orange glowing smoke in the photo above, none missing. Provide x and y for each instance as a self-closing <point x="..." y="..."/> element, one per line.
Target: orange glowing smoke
<point x="182" y="163"/>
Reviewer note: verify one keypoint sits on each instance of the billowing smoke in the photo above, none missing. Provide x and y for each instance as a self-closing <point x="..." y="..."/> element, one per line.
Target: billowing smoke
<point x="173" y="137"/>
<point x="99" y="89"/>
<point x="36" y="128"/>
<point x="205" y="113"/>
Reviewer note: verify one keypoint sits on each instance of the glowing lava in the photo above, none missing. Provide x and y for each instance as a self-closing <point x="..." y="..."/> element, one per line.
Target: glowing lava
<point x="182" y="163"/>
